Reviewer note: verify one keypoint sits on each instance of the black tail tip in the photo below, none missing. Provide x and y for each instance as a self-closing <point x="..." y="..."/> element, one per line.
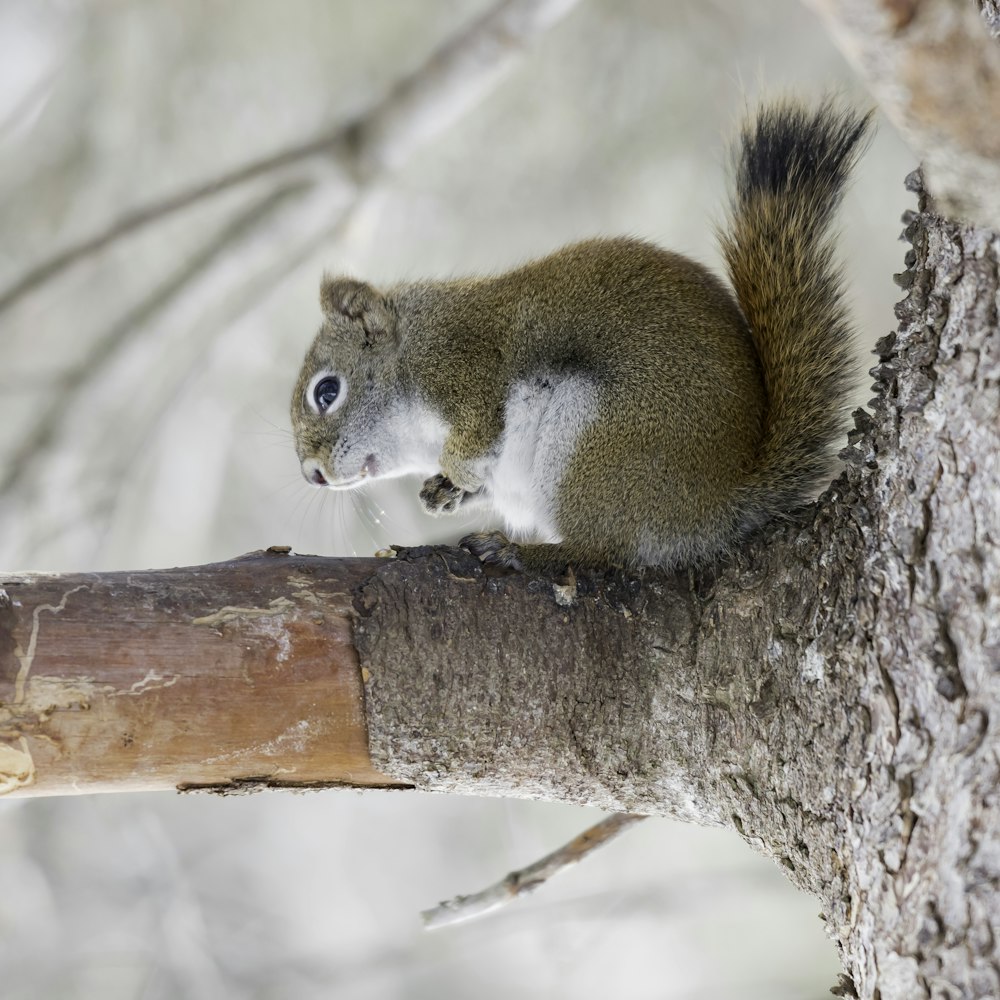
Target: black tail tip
<point x="788" y="146"/>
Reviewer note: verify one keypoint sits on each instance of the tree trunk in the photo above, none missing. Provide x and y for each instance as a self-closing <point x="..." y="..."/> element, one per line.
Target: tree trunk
<point x="831" y="693"/>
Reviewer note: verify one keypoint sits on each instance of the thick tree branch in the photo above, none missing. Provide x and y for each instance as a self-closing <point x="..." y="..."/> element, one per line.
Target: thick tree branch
<point x="227" y="677"/>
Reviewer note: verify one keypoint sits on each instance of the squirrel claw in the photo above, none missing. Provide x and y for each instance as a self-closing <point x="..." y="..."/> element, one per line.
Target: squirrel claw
<point x="439" y="495"/>
<point x="492" y="548"/>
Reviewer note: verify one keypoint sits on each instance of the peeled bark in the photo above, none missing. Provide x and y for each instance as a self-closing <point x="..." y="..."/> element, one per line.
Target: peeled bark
<point x="229" y="677"/>
<point x="831" y="693"/>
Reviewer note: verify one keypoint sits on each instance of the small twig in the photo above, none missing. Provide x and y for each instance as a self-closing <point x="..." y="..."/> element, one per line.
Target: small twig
<point x="520" y="883"/>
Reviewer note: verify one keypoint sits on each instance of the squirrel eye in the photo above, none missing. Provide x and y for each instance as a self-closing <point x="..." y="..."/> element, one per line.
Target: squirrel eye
<point x="326" y="394"/>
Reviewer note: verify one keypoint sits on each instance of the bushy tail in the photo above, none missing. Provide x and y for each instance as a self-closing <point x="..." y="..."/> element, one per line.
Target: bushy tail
<point x="791" y="167"/>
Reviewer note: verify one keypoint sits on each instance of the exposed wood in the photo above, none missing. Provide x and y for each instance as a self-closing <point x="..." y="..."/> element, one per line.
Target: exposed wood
<point x="231" y="676"/>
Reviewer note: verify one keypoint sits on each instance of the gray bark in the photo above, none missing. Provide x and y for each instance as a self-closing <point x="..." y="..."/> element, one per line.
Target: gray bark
<point x="832" y="694"/>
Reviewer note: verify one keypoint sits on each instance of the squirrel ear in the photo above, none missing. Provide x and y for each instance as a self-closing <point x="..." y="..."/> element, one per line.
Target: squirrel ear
<point x="356" y="300"/>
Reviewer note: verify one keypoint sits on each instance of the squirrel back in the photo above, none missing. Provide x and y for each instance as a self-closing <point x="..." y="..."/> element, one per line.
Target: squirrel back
<point x="792" y="165"/>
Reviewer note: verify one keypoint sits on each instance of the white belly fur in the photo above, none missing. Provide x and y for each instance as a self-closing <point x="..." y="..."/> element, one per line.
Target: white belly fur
<point x="543" y="418"/>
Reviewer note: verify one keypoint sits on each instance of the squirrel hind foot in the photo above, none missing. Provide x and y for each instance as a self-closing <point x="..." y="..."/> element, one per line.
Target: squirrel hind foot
<point x="493" y="548"/>
<point x="546" y="559"/>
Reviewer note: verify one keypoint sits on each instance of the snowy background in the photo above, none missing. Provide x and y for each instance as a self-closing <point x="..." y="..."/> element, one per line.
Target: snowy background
<point x="143" y="398"/>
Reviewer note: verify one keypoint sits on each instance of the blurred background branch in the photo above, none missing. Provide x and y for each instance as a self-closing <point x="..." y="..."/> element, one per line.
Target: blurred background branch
<point x="934" y="66"/>
<point x="417" y="108"/>
<point x="276" y="232"/>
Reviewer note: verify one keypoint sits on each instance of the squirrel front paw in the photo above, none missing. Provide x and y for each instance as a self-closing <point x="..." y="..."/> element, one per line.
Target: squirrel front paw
<point x="439" y="495"/>
<point x="493" y="548"/>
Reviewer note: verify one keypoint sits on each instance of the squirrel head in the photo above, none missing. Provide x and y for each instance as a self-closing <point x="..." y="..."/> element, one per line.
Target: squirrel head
<point x="344" y="402"/>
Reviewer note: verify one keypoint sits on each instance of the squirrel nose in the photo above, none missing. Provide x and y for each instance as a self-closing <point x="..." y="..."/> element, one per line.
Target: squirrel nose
<point x="313" y="474"/>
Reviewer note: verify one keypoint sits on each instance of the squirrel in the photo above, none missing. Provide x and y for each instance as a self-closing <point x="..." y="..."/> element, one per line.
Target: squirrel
<point x="618" y="405"/>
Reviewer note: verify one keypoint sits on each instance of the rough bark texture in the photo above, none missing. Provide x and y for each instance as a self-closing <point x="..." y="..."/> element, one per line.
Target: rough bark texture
<point x="935" y="67"/>
<point x="925" y="817"/>
<point x="990" y="11"/>
<point x="833" y="693"/>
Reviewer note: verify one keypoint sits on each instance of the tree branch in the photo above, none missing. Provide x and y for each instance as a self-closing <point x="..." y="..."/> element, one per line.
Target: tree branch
<point x="135" y="219"/>
<point x="229" y="677"/>
<point x="527" y="880"/>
